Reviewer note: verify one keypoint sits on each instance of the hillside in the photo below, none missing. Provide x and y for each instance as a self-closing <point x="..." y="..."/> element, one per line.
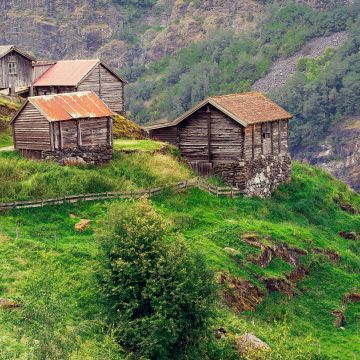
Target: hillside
<point x="8" y="107"/>
<point x="282" y="268"/>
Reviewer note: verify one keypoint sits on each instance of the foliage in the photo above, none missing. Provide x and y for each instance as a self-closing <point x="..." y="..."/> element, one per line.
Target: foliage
<point x="159" y="294"/>
<point x="24" y="179"/>
<point x="126" y="129"/>
<point x="304" y="214"/>
<point x="323" y="93"/>
<point x="41" y="320"/>
<point x="225" y="62"/>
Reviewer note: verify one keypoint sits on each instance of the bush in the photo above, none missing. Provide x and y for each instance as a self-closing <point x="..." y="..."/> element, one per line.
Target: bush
<point x="158" y="293"/>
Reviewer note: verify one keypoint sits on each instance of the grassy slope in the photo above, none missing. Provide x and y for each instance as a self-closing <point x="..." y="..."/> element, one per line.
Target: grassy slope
<point x="24" y="179"/>
<point x="8" y="107"/>
<point x="302" y="214"/>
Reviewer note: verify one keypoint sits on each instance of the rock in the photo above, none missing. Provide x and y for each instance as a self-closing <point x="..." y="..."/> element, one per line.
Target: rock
<point x="251" y="347"/>
<point x="330" y="254"/>
<point x="349" y="235"/>
<point x="240" y="295"/>
<point x="231" y="251"/>
<point x="279" y="285"/>
<point x="8" y="304"/>
<point x="220" y="333"/>
<point x="82" y="225"/>
<point x="354" y="298"/>
<point x="339" y="318"/>
<point x="72" y="216"/>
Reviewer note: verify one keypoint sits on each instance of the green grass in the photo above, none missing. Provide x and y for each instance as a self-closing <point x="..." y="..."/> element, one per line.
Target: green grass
<point x="301" y="214"/>
<point x="24" y="179"/>
<point x="5" y="139"/>
<point x="138" y="145"/>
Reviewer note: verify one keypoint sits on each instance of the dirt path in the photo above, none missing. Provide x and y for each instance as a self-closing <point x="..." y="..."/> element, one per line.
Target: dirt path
<point x="282" y="69"/>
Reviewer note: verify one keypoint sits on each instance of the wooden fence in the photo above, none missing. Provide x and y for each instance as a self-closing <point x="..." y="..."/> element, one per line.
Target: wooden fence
<point x="131" y="194"/>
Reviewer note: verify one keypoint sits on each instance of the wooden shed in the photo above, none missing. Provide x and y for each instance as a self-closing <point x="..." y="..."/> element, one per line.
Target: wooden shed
<point x="81" y="75"/>
<point x="241" y="137"/>
<point x="15" y="69"/>
<point x="68" y="128"/>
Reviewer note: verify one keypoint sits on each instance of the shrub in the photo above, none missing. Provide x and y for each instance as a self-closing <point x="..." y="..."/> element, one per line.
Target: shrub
<point x="158" y="293"/>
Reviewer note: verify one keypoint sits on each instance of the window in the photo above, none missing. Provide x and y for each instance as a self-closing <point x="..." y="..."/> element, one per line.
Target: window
<point x="266" y="131"/>
<point x="12" y="68"/>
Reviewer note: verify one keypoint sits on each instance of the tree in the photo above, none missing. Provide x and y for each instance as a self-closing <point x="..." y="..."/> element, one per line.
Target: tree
<point x="159" y="294"/>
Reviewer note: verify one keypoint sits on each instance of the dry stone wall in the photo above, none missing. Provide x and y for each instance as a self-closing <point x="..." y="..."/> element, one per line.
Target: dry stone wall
<point x="258" y="177"/>
<point x="97" y="155"/>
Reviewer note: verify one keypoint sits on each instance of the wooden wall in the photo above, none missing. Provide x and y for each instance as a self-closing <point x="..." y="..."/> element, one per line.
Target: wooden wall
<point x="23" y="77"/>
<point x="208" y="135"/>
<point x="50" y="90"/>
<point x="276" y="142"/>
<point x="31" y="130"/>
<point x="107" y="86"/>
<point x="83" y="132"/>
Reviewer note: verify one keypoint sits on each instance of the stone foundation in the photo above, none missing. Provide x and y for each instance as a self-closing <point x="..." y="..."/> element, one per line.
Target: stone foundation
<point x="259" y="177"/>
<point x="97" y="155"/>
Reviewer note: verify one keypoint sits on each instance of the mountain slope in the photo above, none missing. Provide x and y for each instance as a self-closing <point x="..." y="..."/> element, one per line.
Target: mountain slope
<point x="286" y="248"/>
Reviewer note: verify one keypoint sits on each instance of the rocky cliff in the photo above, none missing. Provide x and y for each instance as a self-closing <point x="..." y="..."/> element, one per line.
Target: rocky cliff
<point x="87" y="28"/>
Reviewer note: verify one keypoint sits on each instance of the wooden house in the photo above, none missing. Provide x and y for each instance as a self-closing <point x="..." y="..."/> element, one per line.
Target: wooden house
<point x="243" y="138"/>
<point x="68" y="128"/>
<point x="82" y="75"/>
<point x="15" y="69"/>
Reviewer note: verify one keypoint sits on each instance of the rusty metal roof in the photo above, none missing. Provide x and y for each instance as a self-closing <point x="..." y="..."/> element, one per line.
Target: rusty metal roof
<point x="71" y="72"/>
<point x="66" y="73"/>
<point x="71" y="106"/>
<point x="245" y="108"/>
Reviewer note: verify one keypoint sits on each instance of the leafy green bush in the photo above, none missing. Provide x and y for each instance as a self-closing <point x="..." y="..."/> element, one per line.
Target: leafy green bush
<point x="159" y="294"/>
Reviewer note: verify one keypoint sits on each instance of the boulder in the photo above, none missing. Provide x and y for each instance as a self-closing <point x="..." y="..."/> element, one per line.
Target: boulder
<point x="82" y="225"/>
<point x="339" y="318"/>
<point x="231" y="251"/>
<point x="349" y="235"/>
<point x="251" y="347"/>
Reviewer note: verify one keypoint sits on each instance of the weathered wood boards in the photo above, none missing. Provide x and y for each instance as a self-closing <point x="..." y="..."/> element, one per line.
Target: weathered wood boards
<point x="41" y="125"/>
<point x="88" y="75"/>
<point x="15" y="68"/>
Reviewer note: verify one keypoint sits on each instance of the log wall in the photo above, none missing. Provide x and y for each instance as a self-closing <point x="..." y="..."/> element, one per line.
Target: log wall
<point x="23" y="77"/>
<point x="107" y="86"/>
<point x="31" y="130"/>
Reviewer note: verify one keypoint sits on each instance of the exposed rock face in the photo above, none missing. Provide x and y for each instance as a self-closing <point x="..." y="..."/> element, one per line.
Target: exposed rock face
<point x="99" y="154"/>
<point x="59" y="29"/>
<point x="339" y="318"/>
<point x="240" y="295"/>
<point x="259" y="177"/>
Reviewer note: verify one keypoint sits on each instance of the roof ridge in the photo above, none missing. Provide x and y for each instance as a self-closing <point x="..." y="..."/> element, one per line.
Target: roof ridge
<point x="61" y="94"/>
<point x="237" y="94"/>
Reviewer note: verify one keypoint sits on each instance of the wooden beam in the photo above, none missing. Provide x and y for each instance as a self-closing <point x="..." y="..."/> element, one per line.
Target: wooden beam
<point x="209" y="131"/>
<point x="178" y="136"/>
<point x="253" y="141"/>
<point x="109" y="131"/>
<point x="279" y="136"/>
<point x="79" y="135"/>
<point x="100" y="80"/>
<point x="272" y="136"/>
<point x="52" y="132"/>
<point x="61" y="135"/>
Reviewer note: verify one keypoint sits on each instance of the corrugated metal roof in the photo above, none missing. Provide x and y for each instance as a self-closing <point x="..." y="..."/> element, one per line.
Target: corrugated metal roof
<point x="5" y="49"/>
<point x="71" y="106"/>
<point x="66" y="73"/>
<point x="246" y="109"/>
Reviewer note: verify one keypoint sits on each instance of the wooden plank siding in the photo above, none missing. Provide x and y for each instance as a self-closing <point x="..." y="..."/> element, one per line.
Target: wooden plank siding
<point x="168" y="134"/>
<point x="51" y="90"/>
<point x="23" y="76"/>
<point x="108" y="87"/>
<point x="31" y="130"/>
<point x="81" y="132"/>
<point x="226" y="137"/>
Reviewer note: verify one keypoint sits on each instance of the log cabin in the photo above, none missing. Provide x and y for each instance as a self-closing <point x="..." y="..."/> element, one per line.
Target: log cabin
<point x="15" y="70"/>
<point x="67" y="128"/>
<point x="242" y="138"/>
<point x="81" y="75"/>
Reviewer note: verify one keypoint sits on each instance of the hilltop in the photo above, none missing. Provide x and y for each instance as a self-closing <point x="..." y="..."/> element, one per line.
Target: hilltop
<point x="287" y="267"/>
